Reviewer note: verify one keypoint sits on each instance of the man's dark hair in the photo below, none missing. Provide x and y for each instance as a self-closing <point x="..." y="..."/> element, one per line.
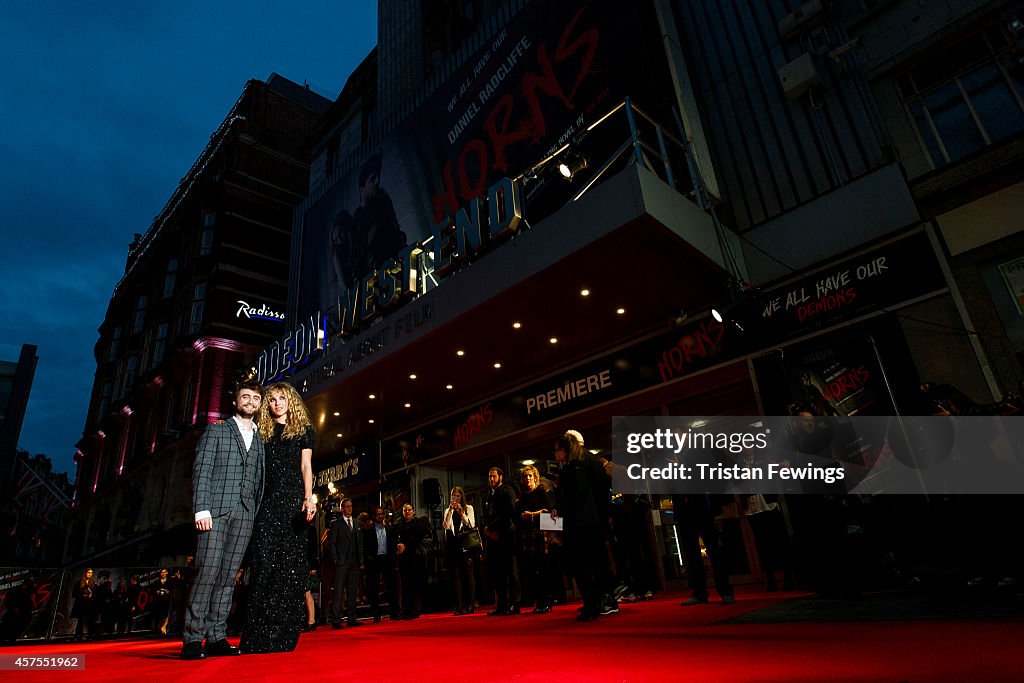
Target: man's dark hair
<point x="498" y="470"/>
<point x="250" y="384"/>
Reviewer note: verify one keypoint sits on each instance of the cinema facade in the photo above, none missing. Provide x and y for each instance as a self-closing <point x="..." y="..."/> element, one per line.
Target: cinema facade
<point x="532" y="238"/>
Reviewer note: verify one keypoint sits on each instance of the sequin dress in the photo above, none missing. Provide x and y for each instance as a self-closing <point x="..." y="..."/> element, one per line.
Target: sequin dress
<point x="278" y="553"/>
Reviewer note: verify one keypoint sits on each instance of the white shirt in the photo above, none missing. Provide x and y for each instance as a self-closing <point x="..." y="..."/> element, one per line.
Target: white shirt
<point x="248" y="429"/>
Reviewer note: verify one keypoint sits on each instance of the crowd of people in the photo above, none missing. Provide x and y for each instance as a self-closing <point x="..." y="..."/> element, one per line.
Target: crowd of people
<point x="252" y="492"/>
<point x="136" y="604"/>
<point x="260" y="560"/>
<point x="252" y="488"/>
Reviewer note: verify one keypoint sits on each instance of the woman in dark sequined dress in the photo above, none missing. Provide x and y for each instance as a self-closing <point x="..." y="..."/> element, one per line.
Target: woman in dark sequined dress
<point x="278" y="563"/>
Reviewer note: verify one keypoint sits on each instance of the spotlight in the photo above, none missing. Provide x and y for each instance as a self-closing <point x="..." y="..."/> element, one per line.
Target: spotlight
<point x="733" y="314"/>
<point x="571" y="164"/>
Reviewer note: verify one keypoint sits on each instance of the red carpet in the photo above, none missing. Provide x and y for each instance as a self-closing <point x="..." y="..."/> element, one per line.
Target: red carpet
<point x="646" y="641"/>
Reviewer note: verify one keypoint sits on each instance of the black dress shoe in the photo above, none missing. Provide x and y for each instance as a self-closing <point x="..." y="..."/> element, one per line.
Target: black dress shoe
<point x="193" y="650"/>
<point x="376" y="620"/>
<point x="498" y="613"/>
<point x="513" y="610"/>
<point x="222" y="648"/>
<point x="541" y="610"/>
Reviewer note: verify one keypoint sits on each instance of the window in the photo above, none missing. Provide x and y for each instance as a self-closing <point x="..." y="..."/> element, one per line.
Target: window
<point x="198" y="304"/>
<point x="209" y="219"/>
<point x="140" y="314"/>
<point x="104" y="406"/>
<point x="331" y="161"/>
<point x="187" y="403"/>
<point x="115" y="344"/>
<point x="127" y="371"/>
<point x="170" y="277"/>
<point x="160" y="348"/>
<point x="169" y="415"/>
<point x="147" y="348"/>
<point x="206" y="242"/>
<point x="965" y="98"/>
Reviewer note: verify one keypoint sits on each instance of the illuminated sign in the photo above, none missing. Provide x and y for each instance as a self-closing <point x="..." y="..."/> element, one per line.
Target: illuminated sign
<point x="456" y="241"/>
<point x="264" y="312"/>
<point x="291" y="351"/>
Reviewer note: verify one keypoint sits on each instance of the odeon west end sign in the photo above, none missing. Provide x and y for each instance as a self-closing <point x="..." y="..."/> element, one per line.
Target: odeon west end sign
<point x="476" y="228"/>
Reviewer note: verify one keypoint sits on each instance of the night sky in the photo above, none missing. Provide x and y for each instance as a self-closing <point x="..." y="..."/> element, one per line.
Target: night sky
<point x="103" y="108"/>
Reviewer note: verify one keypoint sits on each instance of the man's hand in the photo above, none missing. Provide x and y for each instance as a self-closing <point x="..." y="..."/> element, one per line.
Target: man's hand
<point x="204" y="524"/>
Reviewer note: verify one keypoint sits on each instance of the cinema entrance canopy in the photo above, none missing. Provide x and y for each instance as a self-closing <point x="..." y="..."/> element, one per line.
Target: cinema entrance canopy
<point x="623" y="263"/>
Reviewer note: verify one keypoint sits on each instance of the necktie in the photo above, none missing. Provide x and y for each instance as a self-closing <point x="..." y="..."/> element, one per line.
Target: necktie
<point x="348" y="520"/>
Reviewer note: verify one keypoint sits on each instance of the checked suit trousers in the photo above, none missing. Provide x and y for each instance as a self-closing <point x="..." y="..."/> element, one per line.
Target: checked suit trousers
<point x="221" y="550"/>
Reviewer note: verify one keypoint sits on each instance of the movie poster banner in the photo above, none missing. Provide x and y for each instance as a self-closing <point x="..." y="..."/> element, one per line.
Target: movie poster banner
<point x="539" y="82"/>
<point x="27" y="600"/>
<point x="122" y="600"/>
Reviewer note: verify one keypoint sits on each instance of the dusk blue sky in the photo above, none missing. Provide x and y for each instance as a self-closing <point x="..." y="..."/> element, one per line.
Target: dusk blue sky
<point x="103" y="108"/>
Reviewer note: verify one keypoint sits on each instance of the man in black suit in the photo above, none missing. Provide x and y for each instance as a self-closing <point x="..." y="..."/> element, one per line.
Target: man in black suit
<point x="227" y="484"/>
<point x="499" y="529"/>
<point x="345" y="550"/>
<point x="695" y="519"/>
<point x="379" y="543"/>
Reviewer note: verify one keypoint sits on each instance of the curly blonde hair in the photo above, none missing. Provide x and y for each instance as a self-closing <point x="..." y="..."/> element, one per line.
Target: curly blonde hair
<point x="297" y="418"/>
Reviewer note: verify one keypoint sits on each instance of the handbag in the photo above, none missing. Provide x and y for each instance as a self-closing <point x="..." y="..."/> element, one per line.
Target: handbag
<point x="470" y="541"/>
<point x="425" y="547"/>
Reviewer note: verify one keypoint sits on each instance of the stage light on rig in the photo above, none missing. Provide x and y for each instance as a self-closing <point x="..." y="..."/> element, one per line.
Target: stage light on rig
<point x="572" y="163"/>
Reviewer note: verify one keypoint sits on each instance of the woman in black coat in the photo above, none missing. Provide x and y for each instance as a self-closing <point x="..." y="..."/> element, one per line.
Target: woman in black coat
<point x="533" y="559"/>
<point x="582" y="499"/>
<point x="83" y="609"/>
<point x="413" y="533"/>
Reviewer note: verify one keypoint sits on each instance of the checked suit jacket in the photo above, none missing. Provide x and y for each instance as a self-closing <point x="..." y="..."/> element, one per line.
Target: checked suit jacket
<point x="219" y="470"/>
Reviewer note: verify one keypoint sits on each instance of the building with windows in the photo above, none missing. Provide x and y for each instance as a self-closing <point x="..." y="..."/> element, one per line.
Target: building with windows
<point x="532" y="211"/>
<point x="949" y="86"/>
<point x="35" y="513"/>
<point x="17" y="369"/>
<point x="203" y="289"/>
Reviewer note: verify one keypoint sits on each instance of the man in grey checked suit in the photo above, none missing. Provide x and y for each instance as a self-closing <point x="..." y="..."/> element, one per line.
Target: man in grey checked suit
<point x="227" y="483"/>
<point x="345" y="550"/>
